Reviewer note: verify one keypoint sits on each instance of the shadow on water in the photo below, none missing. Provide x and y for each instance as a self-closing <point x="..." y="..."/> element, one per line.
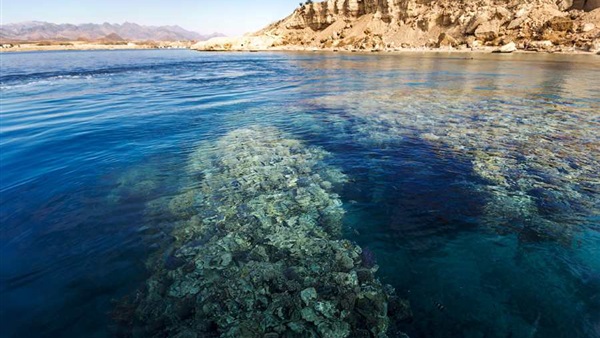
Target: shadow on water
<point x="83" y="250"/>
<point x="425" y="229"/>
<point x="421" y="210"/>
<point x="53" y="283"/>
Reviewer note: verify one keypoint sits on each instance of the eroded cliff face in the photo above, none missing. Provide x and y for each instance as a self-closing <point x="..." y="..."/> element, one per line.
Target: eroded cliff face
<point x="550" y="25"/>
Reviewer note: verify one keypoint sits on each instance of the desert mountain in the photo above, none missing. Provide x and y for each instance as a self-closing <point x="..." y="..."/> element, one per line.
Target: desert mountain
<point x="38" y="31"/>
<point x="391" y="24"/>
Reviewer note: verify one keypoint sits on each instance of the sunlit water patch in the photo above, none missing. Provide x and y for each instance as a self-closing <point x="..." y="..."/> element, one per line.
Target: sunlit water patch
<point x="471" y="183"/>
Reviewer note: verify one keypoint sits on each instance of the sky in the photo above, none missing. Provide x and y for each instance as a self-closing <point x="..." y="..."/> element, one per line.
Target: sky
<point x="230" y="17"/>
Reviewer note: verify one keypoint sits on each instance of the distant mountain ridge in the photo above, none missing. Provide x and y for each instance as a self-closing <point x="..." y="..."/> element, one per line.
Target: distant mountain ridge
<point x="40" y="31"/>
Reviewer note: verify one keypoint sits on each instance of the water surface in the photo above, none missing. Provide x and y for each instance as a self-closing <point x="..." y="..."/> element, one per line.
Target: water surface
<point x="473" y="178"/>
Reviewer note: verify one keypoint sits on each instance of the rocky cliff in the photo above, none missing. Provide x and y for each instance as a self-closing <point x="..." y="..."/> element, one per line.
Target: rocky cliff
<point x="551" y="25"/>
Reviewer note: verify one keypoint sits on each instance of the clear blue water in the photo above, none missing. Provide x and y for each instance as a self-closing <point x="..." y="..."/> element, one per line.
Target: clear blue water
<point x="473" y="178"/>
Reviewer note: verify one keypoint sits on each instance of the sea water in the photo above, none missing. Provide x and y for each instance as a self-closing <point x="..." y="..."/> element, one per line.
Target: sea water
<point x="473" y="179"/>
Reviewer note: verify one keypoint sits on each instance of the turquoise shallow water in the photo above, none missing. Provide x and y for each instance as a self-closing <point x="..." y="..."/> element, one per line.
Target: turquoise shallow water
<point x="472" y="178"/>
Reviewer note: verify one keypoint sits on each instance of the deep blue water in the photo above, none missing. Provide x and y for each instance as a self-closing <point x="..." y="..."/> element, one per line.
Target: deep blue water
<point x="473" y="178"/>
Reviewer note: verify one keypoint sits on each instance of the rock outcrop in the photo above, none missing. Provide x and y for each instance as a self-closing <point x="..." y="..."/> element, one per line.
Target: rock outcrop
<point x="391" y="24"/>
<point x="508" y="48"/>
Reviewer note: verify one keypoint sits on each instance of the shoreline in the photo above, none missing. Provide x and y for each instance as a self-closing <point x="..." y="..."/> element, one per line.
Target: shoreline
<point x="56" y="46"/>
<point x="478" y="50"/>
<point x="29" y="50"/>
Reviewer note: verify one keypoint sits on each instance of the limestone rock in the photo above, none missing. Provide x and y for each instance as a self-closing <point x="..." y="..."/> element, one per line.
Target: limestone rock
<point x="564" y="5"/>
<point x="508" y="48"/>
<point x="445" y="40"/>
<point x="488" y="30"/>
<point x="594" y="46"/>
<point x="475" y="22"/>
<point x="516" y="23"/>
<point x="238" y="43"/>
<point x="380" y="25"/>
<point x="544" y="45"/>
<point x="560" y="24"/>
<point x="588" y="27"/>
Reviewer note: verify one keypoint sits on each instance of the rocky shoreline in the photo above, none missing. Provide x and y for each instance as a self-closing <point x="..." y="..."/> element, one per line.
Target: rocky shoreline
<point x="406" y="25"/>
<point x="458" y="50"/>
<point x="481" y="50"/>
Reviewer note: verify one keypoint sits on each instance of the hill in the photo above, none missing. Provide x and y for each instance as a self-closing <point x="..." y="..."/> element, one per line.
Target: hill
<point x="44" y="31"/>
<point x="544" y="25"/>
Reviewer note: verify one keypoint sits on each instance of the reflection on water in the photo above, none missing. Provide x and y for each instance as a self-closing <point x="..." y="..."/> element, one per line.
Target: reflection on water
<point x="472" y="183"/>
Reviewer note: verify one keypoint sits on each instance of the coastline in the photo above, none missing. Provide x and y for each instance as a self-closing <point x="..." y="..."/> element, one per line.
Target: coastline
<point x="74" y="46"/>
<point x="288" y="48"/>
<point x="444" y="26"/>
<point x="267" y="43"/>
<point x="478" y="50"/>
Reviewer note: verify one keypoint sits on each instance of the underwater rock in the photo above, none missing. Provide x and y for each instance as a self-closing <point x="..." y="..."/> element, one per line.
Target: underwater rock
<point x="516" y="147"/>
<point x="308" y="294"/>
<point x="263" y="256"/>
<point x="136" y="183"/>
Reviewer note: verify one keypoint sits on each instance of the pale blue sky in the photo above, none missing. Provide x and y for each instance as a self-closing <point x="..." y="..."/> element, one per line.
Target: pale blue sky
<point x="231" y="17"/>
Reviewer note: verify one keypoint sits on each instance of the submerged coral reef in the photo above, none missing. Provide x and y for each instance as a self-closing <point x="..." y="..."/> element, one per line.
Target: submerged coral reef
<point x="260" y="253"/>
<point x="538" y="166"/>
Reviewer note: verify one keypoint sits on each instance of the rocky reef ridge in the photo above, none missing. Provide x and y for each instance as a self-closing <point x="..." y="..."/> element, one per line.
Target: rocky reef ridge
<point x="259" y="251"/>
<point x="377" y="25"/>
